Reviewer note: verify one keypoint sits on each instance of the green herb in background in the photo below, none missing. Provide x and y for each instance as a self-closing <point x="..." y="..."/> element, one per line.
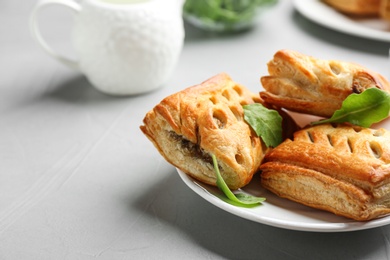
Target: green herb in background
<point x="267" y="123"/>
<point x="364" y="109"/>
<point x="227" y="12"/>
<point x="238" y="199"/>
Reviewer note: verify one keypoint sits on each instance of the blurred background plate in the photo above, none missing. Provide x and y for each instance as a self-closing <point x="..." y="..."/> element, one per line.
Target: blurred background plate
<point x="319" y="12"/>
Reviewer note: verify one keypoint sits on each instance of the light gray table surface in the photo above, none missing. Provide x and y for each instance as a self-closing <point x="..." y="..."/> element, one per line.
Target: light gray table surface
<point x="78" y="179"/>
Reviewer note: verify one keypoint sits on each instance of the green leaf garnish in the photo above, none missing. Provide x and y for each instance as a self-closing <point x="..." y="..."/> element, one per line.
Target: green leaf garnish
<point x="364" y="109"/>
<point x="238" y="199"/>
<point x="267" y="123"/>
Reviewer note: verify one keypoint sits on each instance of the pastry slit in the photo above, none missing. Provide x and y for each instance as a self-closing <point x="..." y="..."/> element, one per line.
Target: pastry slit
<point x="330" y="139"/>
<point x="376" y="150"/>
<point x="350" y="145"/>
<point x="311" y="138"/>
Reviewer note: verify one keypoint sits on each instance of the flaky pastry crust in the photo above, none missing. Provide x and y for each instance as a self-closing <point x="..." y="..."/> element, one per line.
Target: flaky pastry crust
<point x="191" y="125"/>
<point x="308" y="85"/>
<point x="343" y="169"/>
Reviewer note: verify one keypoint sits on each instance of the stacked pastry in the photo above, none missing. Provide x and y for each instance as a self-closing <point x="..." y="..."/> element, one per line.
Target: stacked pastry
<point x="313" y="86"/>
<point x="339" y="168"/>
<point x="374" y="8"/>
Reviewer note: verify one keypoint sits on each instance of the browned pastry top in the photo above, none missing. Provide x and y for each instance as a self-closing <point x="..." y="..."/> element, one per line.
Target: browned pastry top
<point x="188" y="126"/>
<point x="305" y="84"/>
<point x="340" y="168"/>
<point x="344" y="152"/>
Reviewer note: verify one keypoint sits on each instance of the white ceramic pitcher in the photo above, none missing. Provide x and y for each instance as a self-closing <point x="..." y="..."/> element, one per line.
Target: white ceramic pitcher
<point x="124" y="47"/>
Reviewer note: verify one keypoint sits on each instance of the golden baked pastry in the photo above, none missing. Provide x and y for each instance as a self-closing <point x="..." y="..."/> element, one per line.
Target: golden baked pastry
<point x="356" y="7"/>
<point x="384" y="10"/>
<point x="188" y="126"/>
<point x="305" y="84"/>
<point x="343" y="169"/>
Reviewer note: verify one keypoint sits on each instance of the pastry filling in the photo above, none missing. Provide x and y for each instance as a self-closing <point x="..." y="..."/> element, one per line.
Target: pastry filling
<point x="189" y="148"/>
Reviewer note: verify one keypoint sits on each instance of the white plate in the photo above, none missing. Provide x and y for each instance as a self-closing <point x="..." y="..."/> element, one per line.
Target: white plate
<point x="283" y="213"/>
<point x="317" y="11"/>
<point x="279" y="212"/>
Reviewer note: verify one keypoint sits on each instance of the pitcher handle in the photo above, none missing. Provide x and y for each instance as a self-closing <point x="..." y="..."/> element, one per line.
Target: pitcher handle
<point x="36" y="33"/>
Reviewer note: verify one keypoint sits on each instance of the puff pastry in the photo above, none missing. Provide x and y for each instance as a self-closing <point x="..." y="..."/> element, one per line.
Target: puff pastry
<point x="188" y="126"/>
<point x="356" y="7"/>
<point x="384" y="10"/>
<point x="338" y="168"/>
<point x="308" y="85"/>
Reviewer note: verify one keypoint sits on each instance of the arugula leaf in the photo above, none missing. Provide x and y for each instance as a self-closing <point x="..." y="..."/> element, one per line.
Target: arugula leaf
<point x="364" y="109"/>
<point x="238" y="199"/>
<point x="267" y="123"/>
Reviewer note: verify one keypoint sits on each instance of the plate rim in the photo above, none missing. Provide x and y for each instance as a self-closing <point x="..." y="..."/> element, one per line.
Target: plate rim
<point x="341" y="22"/>
<point x="246" y="213"/>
